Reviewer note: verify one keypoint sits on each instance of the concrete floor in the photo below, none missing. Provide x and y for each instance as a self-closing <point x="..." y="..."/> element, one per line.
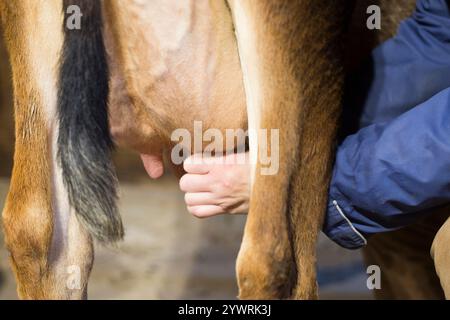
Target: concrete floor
<point x="167" y="254"/>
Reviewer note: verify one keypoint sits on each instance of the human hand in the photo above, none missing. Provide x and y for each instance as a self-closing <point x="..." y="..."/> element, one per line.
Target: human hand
<point x="216" y="185"/>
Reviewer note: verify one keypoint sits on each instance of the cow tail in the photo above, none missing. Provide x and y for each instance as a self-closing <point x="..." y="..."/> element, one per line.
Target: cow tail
<point x="84" y="142"/>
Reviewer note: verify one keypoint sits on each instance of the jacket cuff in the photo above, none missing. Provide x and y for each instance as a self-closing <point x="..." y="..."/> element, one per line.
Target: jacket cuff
<point x="338" y="226"/>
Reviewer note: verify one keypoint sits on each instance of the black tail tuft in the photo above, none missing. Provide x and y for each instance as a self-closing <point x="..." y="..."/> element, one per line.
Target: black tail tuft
<point x="84" y="141"/>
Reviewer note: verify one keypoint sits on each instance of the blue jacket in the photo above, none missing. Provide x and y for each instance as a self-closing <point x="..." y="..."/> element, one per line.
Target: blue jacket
<point x="398" y="163"/>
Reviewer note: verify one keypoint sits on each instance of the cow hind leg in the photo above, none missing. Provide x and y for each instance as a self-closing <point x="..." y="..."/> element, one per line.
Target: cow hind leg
<point x="441" y="256"/>
<point x="291" y="64"/>
<point x="51" y="254"/>
<point x="407" y="269"/>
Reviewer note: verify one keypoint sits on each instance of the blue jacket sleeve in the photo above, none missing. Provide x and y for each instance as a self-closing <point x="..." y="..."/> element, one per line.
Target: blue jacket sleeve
<point x="399" y="164"/>
<point x="387" y="174"/>
<point x="409" y="68"/>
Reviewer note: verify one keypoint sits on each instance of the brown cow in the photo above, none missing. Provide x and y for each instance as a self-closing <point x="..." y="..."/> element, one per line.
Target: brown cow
<point x="168" y="64"/>
<point x="167" y="59"/>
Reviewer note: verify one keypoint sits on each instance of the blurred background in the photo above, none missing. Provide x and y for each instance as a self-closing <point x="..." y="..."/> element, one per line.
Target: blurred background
<point x="168" y="254"/>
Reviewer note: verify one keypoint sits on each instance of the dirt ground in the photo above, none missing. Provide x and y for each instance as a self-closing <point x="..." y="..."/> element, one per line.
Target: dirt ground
<point x="167" y="254"/>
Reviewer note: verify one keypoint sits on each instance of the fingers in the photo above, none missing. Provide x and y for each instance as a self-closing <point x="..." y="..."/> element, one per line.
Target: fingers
<point x="200" y="198"/>
<point x="214" y="186"/>
<point x="195" y="183"/>
<point x="201" y="165"/>
<point x="194" y="164"/>
<point x="205" y="211"/>
<point x="153" y="164"/>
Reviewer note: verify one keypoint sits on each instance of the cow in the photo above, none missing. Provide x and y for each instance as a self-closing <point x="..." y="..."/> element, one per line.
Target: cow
<point x="136" y="71"/>
<point x="268" y="57"/>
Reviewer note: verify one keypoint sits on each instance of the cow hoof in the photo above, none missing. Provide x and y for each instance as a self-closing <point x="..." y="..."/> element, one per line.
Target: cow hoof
<point x="262" y="276"/>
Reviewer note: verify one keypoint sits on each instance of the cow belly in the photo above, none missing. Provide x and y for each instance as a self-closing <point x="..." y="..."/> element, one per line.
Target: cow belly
<point x="172" y="63"/>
